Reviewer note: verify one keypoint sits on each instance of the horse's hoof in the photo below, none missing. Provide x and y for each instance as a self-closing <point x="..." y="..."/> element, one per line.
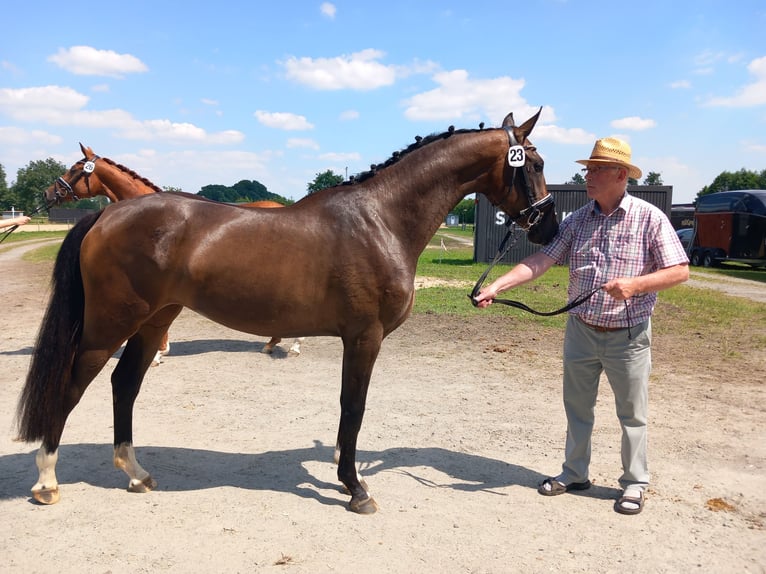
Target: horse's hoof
<point x="47" y="495"/>
<point x="146" y="485"/>
<point x="268" y="350"/>
<point x="364" y="506"/>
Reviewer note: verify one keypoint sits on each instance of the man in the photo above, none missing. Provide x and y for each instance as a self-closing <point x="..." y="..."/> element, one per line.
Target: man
<point x="627" y="247"/>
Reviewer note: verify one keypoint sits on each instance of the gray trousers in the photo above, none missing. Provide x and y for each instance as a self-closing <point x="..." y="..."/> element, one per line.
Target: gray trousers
<point x="627" y="364"/>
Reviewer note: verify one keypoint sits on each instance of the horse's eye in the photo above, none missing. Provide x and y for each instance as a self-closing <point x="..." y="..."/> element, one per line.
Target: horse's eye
<point x="539" y="167"/>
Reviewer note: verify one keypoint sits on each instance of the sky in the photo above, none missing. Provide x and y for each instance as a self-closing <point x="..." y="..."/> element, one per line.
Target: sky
<point x="189" y="93"/>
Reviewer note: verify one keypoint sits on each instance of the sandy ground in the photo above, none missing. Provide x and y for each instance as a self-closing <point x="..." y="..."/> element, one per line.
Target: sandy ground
<point x="464" y="418"/>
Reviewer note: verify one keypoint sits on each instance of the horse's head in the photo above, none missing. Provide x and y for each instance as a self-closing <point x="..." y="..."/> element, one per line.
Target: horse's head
<point x="523" y="195"/>
<point x="79" y="182"/>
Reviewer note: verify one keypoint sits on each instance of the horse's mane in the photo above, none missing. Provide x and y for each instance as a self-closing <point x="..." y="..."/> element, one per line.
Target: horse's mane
<point x="133" y="174"/>
<point x="420" y="142"/>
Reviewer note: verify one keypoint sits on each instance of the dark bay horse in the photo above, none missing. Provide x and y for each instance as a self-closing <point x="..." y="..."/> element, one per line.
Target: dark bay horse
<point x="126" y="272"/>
<point x="95" y="175"/>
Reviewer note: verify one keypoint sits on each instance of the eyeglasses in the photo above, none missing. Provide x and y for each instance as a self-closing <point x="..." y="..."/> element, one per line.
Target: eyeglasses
<point x="596" y="170"/>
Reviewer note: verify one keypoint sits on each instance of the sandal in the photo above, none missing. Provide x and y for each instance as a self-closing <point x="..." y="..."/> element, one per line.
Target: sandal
<point x="622" y="502"/>
<point x="554" y="487"/>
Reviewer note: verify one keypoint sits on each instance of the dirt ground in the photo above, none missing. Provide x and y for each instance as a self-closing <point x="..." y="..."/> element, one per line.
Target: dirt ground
<point x="464" y="418"/>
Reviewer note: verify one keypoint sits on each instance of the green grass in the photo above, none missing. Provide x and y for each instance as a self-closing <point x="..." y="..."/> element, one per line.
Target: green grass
<point x="682" y="308"/>
<point x="739" y="271"/>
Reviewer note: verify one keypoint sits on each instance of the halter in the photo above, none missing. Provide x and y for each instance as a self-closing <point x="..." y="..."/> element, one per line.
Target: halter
<point x="88" y="167"/>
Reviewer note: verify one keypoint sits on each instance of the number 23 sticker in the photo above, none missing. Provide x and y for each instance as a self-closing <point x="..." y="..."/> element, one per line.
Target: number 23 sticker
<point x="516" y="156"/>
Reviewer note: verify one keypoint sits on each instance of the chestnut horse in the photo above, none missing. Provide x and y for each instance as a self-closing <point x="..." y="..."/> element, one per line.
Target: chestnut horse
<point x="126" y="272"/>
<point x="95" y="175"/>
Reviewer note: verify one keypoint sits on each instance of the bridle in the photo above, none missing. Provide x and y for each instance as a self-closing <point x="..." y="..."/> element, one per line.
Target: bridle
<point x="518" y="160"/>
<point x="89" y="165"/>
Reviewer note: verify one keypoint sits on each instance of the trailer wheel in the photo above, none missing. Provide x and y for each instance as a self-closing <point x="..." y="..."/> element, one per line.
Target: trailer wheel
<point x="708" y="260"/>
<point x="696" y="258"/>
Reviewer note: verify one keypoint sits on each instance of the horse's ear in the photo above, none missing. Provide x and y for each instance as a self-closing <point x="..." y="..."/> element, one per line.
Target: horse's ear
<point x="82" y="148"/>
<point x="526" y="127"/>
<point x="86" y="151"/>
<point x="508" y="121"/>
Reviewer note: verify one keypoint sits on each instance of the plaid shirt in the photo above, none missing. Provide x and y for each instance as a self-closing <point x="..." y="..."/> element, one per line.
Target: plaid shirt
<point x="636" y="239"/>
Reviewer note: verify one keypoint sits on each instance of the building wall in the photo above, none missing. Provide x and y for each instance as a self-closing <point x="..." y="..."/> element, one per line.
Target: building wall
<point x="490" y="221"/>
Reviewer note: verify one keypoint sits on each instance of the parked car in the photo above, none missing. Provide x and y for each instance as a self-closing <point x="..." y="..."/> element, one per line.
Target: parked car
<point x="685" y="235"/>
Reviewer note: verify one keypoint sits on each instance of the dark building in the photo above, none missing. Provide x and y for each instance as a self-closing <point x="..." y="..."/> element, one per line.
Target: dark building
<point x="490" y="221"/>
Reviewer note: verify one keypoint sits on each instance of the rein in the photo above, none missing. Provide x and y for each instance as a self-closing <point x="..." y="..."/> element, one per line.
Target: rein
<point x="501" y="251"/>
<point x="35" y="211"/>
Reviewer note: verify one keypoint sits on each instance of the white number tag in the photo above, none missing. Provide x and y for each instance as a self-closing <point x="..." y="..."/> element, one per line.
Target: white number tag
<point x="516" y="156"/>
<point x="89" y="167"/>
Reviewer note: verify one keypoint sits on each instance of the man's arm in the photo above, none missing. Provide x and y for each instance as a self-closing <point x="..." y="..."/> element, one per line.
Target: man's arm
<point x="529" y="268"/>
<point x="625" y="287"/>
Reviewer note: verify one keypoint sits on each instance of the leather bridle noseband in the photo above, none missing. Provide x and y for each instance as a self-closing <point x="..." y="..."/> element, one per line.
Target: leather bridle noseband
<point x="68" y="187"/>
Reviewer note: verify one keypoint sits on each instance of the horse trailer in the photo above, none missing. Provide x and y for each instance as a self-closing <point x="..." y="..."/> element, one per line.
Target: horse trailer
<point x="730" y="226"/>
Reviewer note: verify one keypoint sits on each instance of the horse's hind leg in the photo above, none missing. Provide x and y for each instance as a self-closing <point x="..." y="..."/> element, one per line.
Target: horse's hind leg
<point x="268" y="348"/>
<point x="295" y="349"/>
<point x="162" y="351"/>
<point x="86" y="366"/>
<point x="126" y="384"/>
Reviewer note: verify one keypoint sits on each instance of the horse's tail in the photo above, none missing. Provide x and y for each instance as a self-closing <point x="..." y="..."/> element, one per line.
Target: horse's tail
<point x="50" y="372"/>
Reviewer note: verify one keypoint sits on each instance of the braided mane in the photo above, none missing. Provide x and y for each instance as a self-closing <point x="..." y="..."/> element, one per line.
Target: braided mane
<point x="133" y="174"/>
<point x="420" y="142"/>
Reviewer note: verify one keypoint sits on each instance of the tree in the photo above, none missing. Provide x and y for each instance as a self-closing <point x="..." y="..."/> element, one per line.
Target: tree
<point x="3" y="183"/>
<point x="577" y="179"/>
<point x="466" y="211"/>
<point x="243" y="191"/>
<point x="323" y="180"/>
<point x="653" y="178"/>
<point x="32" y="181"/>
<point x="742" y="179"/>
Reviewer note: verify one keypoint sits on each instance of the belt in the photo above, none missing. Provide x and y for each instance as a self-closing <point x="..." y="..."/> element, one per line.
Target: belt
<point x="599" y="328"/>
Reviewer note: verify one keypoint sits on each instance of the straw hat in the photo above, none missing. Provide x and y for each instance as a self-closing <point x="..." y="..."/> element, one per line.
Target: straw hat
<point x="614" y="151"/>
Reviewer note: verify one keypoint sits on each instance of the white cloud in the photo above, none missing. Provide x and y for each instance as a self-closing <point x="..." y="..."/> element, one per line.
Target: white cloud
<point x="349" y="115"/>
<point x="302" y="143"/>
<point x="283" y="120"/>
<point x="750" y="95"/>
<point x="634" y="123"/>
<point x="359" y="71"/>
<point x="17" y="136"/>
<point x="680" y="84"/>
<point x="328" y="9"/>
<point x="340" y="156"/>
<point x="173" y="131"/>
<point x="51" y="104"/>
<point x="209" y="102"/>
<point x="55" y="105"/>
<point x="560" y="135"/>
<point x="8" y="66"/>
<point x="461" y="97"/>
<point x="88" y="61"/>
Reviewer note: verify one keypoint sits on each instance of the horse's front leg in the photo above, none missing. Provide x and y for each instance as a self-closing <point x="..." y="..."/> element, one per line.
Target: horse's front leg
<point x="126" y="383"/>
<point x="359" y="357"/>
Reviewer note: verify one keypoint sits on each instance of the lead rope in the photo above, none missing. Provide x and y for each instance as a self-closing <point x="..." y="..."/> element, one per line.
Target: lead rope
<point x="501" y="251"/>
